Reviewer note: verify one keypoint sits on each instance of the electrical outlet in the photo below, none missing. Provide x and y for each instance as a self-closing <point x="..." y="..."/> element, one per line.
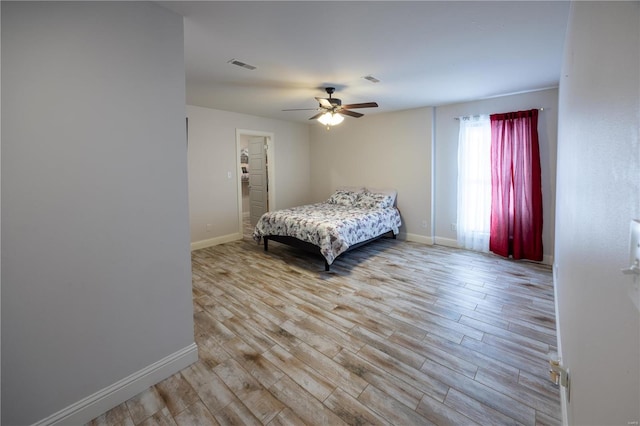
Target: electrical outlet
<point x="454" y="227"/>
<point x="209" y="227"/>
<point x="424" y="224"/>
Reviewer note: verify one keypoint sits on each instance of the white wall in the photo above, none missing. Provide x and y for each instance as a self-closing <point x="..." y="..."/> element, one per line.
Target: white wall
<point x="96" y="281"/>
<point x="213" y="198"/>
<point x="598" y="193"/>
<point x="389" y="150"/>
<point x="446" y="158"/>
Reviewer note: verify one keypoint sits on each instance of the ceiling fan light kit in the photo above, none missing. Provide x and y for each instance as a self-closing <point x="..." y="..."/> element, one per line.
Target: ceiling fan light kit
<point x="332" y="111"/>
<point x="330" y="119"/>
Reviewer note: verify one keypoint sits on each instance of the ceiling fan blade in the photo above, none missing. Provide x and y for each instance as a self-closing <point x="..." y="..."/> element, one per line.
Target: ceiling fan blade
<point x="317" y="115"/>
<point x="350" y="113"/>
<point x="300" y="109"/>
<point x="362" y="105"/>
<point x="324" y="103"/>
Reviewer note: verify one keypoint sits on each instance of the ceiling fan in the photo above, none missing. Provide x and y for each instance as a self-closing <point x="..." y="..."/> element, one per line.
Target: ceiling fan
<point x="331" y="109"/>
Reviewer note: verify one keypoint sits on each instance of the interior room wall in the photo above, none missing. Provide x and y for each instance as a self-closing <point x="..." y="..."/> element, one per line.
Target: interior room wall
<point x="213" y="196"/>
<point x="598" y="193"/>
<point x="385" y="150"/>
<point x="96" y="272"/>
<point x="446" y="158"/>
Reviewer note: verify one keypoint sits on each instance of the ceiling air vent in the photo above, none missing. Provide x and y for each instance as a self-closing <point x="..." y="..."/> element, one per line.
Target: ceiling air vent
<point x="371" y="79"/>
<point x="241" y="64"/>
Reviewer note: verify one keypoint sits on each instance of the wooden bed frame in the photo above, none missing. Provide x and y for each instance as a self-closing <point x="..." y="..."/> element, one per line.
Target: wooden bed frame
<point x="306" y="246"/>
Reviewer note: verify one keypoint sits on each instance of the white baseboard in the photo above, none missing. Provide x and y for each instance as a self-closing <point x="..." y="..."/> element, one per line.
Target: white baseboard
<point x="416" y="238"/>
<point x="215" y="241"/>
<point x="447" y="242"/>
<point x="100" y="402"/>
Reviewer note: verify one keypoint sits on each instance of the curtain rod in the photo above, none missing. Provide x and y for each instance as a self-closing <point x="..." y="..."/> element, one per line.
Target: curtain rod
<point x="466" y="117"/>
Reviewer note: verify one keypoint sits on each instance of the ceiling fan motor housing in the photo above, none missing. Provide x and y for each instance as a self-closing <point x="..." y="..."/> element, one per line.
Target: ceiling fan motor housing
<point x="333" y="101"/>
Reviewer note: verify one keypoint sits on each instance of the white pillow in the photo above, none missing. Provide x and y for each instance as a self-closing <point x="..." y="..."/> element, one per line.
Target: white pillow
<point x="386" y="191"/>
<point x="371" y="200"/>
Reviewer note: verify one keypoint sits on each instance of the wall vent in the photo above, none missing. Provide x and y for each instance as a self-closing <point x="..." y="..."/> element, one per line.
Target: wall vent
<point x="241" y="64"/>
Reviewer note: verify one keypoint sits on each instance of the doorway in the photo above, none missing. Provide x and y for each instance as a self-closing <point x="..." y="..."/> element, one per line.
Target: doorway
<point x="256" y="171"/>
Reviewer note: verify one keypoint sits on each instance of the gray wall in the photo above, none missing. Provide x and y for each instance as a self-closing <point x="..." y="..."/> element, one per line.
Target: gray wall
<point x="96" y="281"/>
<point x="389" y="150"/>
<point x="598" y="193"/>
<point x="213" y="197"/>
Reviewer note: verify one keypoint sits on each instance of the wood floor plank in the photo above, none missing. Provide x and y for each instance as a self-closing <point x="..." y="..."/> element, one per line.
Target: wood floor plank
<point x="332" y="371"/>
<point x="440" y="356"/>
<point x="145" y="404"/>
<point x="443" y="415"/>
<point x="210" y="352"/>
<point x="330" y="318"/>
<point x="254" y="363"/>
<point x="236" y="413"/>
<point x="119" y="415"/>
<point x="286" y="417"/>
<point x="412" y="376"/>
<point x="539" y="402"/>
<point x="255" y="337"/>
<point x="213" y="392"/>
<point x="520" y="360"/>
<point x="303" y="404"/>
<point x="160" y="418"/>
<point x="196" y="414"/>
<point x="318" y="341"/>
<point x="305" y="376"/>
<point x="511" y="339"/>
<point x="396" y="333"/>
<point x="397" y="388"/>
<point x="318" y="326"/>
<point x="352" y="411"/>
<point x="176" y="393"/>
<point x="474" y="409"/>
<point x="390" y="409"/>
<point x="481" y="393"/>
<point x="398" y="352"/>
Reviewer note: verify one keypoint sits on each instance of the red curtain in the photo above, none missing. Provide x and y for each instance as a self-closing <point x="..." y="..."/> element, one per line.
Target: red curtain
<point x="516" y="189"/>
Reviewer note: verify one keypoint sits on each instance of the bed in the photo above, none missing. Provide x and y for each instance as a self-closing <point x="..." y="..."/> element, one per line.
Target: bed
<point x="347" y="220"/>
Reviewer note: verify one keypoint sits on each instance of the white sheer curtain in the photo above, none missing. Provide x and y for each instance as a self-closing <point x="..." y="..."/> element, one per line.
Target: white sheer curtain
<point x="474" y="183"/>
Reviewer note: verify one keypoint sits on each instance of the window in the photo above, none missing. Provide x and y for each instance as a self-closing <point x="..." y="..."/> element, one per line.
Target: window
<point x="474" y="183"/>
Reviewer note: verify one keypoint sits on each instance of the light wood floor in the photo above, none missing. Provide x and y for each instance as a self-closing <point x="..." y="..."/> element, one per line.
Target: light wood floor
<point x="397" y="333"/>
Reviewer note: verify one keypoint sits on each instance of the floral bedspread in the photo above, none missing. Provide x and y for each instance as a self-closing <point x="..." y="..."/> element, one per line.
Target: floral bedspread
<point x="332" y="227"/>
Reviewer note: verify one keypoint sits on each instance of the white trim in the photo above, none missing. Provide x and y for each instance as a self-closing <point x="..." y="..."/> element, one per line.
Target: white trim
<point x="94" y="405"/>
<point x="416" y="238"/>
<point x="447" y="242"/>
<point x="215" y="241"/>
<point x="564" y="403"/>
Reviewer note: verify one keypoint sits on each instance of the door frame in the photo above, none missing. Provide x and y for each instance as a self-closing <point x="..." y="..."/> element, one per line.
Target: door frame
<point x="271" y="173"/>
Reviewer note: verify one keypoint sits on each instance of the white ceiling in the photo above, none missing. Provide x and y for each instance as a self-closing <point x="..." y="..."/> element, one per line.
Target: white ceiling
<point x="425" y="53"/>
